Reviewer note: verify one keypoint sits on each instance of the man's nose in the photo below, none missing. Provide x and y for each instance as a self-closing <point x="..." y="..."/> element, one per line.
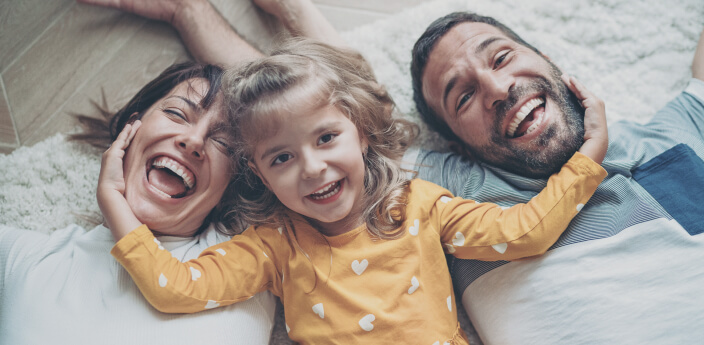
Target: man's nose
<point x="496" y="86"/>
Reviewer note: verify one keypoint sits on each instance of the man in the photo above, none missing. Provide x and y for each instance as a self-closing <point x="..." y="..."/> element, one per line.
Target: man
<point x="625" y="271"/>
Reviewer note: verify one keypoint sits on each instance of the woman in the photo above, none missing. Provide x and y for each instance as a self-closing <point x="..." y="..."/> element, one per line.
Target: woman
<point x="66" y="288"/>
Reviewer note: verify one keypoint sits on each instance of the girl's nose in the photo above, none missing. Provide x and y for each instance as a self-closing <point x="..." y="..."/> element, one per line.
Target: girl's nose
<point x="313" y="166"/>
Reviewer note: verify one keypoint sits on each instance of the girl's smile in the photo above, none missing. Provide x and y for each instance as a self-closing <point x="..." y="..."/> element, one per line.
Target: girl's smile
<point x="315" y="166"/>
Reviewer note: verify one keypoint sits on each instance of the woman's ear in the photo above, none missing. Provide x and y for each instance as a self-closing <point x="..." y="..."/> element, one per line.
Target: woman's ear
<point x="134" y="117"/>
<point x="254" y="169"/>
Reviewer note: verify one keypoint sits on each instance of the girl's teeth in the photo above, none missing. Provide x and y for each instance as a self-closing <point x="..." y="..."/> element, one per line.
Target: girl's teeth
<point x="327" y="194"/>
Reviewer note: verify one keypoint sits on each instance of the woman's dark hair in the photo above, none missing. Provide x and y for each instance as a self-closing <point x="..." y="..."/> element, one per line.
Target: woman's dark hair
<point x="101" y="132"/>
<point x="421" y="53"/>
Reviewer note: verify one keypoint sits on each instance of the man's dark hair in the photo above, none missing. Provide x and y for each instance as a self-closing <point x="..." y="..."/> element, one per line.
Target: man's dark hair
<point x="421" y="52"/>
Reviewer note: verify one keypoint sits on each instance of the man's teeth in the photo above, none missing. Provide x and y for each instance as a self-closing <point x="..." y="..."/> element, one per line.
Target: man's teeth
<point x="327" y="191"/>
<point x="521" y="115"/>
<point x="170" y="164"/>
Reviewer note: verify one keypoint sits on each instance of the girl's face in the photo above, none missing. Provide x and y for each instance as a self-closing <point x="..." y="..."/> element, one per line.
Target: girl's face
<point x="177" y="166"/>
<point x="315" y="165"/>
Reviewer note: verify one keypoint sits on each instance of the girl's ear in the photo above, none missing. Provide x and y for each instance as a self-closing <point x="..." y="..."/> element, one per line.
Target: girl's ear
<point x="254" y="169"/>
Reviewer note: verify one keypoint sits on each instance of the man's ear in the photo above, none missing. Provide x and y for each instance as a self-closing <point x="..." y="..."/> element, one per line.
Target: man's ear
<point x="461" y="149"/>
<point x="256" y="172"/>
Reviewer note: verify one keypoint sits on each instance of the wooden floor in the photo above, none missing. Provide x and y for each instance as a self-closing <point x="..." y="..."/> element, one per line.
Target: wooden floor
<point x="56" y="56"/>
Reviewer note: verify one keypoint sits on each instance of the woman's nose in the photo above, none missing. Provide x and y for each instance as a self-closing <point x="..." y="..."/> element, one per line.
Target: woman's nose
<point x="193" y="142"/>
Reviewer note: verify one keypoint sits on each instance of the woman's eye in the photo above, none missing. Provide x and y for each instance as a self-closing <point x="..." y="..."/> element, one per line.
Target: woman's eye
<point x="222" y="145"/>
<point x="282" y="158"/>
<point x="175" y="113"/>
<point x="326" y="138"/>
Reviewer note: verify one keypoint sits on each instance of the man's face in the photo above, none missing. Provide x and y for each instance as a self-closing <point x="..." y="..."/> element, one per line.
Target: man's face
<point x="503" y="100"/>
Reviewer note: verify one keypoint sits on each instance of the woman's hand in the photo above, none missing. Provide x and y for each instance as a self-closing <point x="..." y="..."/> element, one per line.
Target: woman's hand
<point x="111" y="185"/>
<point x="596" y="134"/>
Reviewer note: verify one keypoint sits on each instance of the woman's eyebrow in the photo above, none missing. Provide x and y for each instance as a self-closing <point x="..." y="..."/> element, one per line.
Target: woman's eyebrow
<point x="193" y="105"/>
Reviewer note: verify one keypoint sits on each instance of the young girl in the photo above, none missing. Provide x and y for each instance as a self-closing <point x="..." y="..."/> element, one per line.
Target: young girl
<point x="355" y="251"/>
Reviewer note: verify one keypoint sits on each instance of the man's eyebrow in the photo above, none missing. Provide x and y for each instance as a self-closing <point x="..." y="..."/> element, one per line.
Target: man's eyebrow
<point x="486" y="43"/>
<point x="448" y="88"/>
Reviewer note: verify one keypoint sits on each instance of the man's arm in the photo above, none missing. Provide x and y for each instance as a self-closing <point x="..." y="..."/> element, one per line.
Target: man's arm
<point x="206" y="34"/>
<point x="302" y="18"/>
<point x="698" y="62"/>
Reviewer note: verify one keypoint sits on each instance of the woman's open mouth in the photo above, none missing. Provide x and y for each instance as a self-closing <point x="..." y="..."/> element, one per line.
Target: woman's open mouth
<point x="170" y="177"/>
<point x="527" y="119"/>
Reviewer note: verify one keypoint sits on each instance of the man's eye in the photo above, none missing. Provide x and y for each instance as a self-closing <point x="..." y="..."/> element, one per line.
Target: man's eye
<point x="326" y="138"/>
<point x="501" y="59"/>
<point x="282" y="158"/>
<point x="463" y="100"/>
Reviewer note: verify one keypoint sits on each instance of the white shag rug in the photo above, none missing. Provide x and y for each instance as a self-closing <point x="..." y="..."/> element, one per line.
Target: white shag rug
<point x="634" y="54"/>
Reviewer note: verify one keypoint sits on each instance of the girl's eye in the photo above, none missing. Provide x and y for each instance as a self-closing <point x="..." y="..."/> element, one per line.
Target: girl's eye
<point x="282" y="158"/>
<point x="326" y="138"/>
<point x="501" y="59"/>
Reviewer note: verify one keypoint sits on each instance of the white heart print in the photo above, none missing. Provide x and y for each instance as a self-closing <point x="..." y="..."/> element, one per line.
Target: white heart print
<point x="459" y="239"/>
<point x="366" y="322"/>
<point x="211" y="304"/>
<point x="221" y="251"/>
<point x="162" y="280"/>
<point x="414" y="285"/>
<point x="449" y="303"/>
<point x="450" y="248"/>
<point x="500" y="247"/>
<point x="445" y="199"/>
<point x="158" y="244"/>
<point x="318" y="309"/>
<point x="413" y="229"/>
<point x="195" y="274"/>
<point x="579" y="207"/>
<point x="359" y="267"/>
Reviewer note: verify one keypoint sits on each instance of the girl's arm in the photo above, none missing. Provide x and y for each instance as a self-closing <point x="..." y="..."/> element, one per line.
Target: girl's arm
<point x="118" y="215"/>
<point x="223" y="274"/>
<point x="485" y="231"/>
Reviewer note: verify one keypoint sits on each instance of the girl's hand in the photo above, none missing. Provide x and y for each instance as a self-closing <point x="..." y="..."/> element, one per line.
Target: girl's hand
<point x="111" y="167"/>
<point x="111" y="185"/>
<point x="596" y="135"/>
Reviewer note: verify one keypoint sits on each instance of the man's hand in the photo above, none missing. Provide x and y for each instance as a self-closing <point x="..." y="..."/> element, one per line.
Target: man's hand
<point x="302" y="18"/>
<point x="207" y="35"/>
<point x="111" y="185"/>
<point x="596" y="135"/>
<point x="164" y="10"/>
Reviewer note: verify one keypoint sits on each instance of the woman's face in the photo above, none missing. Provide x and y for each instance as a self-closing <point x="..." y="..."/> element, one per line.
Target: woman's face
<point x="177" y="166"/>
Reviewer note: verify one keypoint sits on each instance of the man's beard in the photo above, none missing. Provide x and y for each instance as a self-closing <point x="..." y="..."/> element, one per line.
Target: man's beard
<point x="556" y="144"/>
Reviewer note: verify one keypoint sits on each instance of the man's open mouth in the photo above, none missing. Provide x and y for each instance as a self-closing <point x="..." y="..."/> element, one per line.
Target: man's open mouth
<point x="170" y="177"/>
<point x="527" y="119"/>
<point x="327" y="191"/>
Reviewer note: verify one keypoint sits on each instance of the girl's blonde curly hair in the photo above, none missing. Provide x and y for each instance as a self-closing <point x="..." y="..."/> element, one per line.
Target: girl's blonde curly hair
<point x="301" y="69"/>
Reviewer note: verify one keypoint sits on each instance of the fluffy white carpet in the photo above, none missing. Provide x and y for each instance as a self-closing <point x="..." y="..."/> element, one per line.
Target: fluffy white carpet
<point x="635" y="55"/>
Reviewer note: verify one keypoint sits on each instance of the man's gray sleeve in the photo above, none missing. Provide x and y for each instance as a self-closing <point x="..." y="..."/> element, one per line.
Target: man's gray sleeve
<point x="448" y="170"/>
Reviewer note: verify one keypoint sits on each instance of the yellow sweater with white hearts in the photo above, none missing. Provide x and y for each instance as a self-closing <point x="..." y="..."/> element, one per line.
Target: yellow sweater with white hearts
<point x="353" y="288"/>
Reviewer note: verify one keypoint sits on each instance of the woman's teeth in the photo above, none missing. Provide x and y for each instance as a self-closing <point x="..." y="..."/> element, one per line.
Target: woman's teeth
<point x="522" y="113"/>
<point x="327" y="191"/>
<point x="176" y="168"/>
